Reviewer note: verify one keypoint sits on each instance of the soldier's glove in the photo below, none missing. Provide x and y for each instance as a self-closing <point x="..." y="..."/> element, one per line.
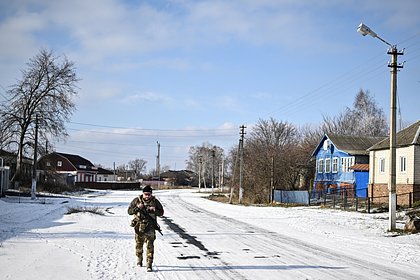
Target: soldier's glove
<point x="136" y="209"/>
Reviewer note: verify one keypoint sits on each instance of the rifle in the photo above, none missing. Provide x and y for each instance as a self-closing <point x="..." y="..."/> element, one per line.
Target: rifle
<point x="154" y="223"/>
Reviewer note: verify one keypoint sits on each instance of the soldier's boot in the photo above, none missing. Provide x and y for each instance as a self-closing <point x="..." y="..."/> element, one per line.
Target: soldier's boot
<point x="139" y="261"/>
<point x="149" y="265"/>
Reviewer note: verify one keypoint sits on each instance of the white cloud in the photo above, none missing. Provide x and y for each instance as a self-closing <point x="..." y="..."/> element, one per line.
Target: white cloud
<point x="146" y="97"/>
<point x="16" y="35"/>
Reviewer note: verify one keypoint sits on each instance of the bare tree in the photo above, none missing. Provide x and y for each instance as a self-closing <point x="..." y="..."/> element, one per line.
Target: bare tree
<point x="46" y="91"/>
<point x="138" y="166"/>
<point x="206" y="158"/>
<point x="365" y="118"/>
<point x="309" y="137"/>
<point x="269" y="156"/>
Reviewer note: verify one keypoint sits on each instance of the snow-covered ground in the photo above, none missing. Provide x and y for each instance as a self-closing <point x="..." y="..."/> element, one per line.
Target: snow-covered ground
<point x="202" y="239"/>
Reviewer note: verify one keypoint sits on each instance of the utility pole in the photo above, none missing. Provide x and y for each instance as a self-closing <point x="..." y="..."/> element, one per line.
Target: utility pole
<point x="241" y="162"/>
<point x="392" y="188"/>
<point x="1" y="177"/>
<point x="199" y="173"/>
<point x="33" y="187"/>
<point x="232" y="181"/>
<point x="271" y="196"/>
<point x="158" y="163"/>
<point x="222" y="175"/>
<point x="213" y="155"/>
<point x="115" y="177"/>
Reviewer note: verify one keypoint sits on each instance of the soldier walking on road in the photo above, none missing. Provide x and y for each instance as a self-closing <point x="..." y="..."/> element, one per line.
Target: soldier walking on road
<point x="145" y="209"/>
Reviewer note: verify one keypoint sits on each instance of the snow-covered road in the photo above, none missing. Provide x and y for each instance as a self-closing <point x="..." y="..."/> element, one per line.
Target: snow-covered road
<point x="202" y="240"/>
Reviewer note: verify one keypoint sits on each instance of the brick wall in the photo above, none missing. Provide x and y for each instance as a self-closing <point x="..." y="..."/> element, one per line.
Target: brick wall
<point x="379" y="193"/>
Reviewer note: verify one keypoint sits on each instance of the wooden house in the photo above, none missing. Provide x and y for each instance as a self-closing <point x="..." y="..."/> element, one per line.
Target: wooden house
<point x="337" y="158"/>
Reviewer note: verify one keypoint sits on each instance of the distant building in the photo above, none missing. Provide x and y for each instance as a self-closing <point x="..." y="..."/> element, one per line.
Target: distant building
<point x="105" y="175"/>
<point x="178" y="177"/>
<point x="71" y="168"/>
<point x="9" y="160"/>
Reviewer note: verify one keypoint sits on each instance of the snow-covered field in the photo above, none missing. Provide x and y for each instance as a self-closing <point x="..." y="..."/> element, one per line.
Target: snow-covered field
<point x="202" y="239"/>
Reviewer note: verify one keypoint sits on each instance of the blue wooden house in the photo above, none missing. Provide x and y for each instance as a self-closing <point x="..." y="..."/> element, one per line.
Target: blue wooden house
<point x="342" y="162"/>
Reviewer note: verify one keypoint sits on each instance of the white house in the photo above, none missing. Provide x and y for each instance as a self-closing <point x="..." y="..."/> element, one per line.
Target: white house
<point x="407" y="163"/>
<point x="105" y="175"/>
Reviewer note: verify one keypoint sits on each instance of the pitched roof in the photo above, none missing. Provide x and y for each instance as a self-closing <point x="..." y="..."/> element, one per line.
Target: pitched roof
<point x="104" y="171"/>
<point x="353" y="145"/>
<point x="406" y="137"/>
<point x="175" y="173"/>
<point x="77" y="160"/>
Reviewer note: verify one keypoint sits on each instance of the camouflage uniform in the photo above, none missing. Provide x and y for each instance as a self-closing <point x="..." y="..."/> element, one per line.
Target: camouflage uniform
<point x="145" y="233"/>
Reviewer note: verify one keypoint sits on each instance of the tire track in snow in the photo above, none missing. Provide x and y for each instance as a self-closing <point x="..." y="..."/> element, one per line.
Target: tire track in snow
<point x="199" y="261"/>
<point x="304" y="255"/>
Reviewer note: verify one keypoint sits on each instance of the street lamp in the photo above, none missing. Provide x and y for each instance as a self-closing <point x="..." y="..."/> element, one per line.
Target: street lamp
<point x="364" y="30"/>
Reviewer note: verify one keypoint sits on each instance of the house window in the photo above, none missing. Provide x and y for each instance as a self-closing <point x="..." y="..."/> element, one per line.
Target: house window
<point x="335" y="165"/>
<point x="403" y="164"/>
<point x="382" y="165"/>
<point x="346" y="162"/>
<point x="321" y="166"/>
<point x="48" y="163"/>
<point x="59" y="163"/>
<point x="327" y="165"/>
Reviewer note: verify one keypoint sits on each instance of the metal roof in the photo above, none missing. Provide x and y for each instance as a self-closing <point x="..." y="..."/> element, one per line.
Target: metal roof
<point x="354" y="145"/>
<point x="406" y="137"/>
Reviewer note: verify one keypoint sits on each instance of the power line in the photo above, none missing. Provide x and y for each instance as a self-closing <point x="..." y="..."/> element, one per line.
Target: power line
<point x="359" y="73"/>
<point x="152" y="135"/>
<point x="156" y="129"/>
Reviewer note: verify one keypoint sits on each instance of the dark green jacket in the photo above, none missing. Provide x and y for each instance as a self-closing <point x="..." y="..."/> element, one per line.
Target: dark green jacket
<point x="152" y="202"/>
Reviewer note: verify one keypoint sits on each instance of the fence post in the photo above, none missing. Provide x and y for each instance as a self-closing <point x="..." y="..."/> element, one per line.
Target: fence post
<point x="309" y="198"/>
<point x="334" y="201"/>
<point x="368" y="204"/>
<point x="410" y="199"/>
<point x="344" y="199"/>
<point x="325" y="198"/>
<point x="357" y="203"/>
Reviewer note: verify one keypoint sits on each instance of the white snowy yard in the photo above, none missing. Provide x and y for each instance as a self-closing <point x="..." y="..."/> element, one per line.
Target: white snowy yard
<point x="201" y="239"/>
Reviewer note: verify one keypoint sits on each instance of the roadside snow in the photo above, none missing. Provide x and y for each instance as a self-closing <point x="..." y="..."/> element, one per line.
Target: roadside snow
<point x="39" y="241"/>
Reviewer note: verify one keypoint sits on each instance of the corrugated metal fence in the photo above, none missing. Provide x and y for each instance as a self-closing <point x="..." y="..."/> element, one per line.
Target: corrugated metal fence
<point x="293" y="197"/>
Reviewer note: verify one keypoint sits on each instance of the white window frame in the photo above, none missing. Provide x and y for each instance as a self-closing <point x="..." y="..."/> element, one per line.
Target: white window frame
<point x="321" y="165"/>
<point x="403" y="164"/>
<point x="335" y="165"/>
<point x="346" y="162"/>
<point x="327" y="165"/>
<point x="59" y="163"/>
<point x="382" y="165"/>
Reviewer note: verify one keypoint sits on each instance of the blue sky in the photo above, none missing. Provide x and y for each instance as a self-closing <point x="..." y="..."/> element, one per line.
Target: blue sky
<point x="183" y="72"/>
